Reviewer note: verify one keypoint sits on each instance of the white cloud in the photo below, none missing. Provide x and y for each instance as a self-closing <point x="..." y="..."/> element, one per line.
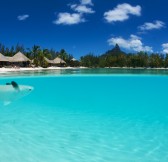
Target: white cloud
<point x="86" y="2"/>
<point x="122" y="12"/>
<point x="22" y="17"/>
<point x="151" y="26"/>
<point x="165" y="47"/>
<point x="69" y="19"/>
<point x="76" y="17"/>
<point x="82" y="9"/>
<point x="134" y="43"/>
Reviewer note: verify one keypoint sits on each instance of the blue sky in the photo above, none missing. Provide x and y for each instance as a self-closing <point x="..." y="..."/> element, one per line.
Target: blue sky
<point x="84" y="26"/>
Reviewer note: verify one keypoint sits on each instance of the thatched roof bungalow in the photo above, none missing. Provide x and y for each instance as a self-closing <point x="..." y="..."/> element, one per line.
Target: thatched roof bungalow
<point x="60" y="62"/>
<point x="3" y="60"/>
<point x="9" y="58"/>
<point x="49" y="61"/>
<point x="56" y="62"/>
<point x="19" y="59"/>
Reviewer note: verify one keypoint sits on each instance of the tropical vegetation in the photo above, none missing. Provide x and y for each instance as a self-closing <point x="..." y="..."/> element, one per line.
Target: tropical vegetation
<point x="112" y="58"/>
<point x="118" y="58"/>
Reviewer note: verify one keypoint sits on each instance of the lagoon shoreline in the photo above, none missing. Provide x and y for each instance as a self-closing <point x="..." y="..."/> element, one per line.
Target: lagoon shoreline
<point x="3" y="70"/>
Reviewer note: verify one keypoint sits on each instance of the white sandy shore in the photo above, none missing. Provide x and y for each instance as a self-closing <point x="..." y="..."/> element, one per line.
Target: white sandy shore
<point x="2" y="70"/>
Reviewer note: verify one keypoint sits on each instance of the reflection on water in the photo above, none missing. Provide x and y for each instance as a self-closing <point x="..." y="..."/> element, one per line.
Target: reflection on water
<point x="77" y="71"/>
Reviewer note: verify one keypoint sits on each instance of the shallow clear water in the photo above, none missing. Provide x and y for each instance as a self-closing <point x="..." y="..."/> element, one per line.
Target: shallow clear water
<point x="72" y="118"/>
<point x="98" y="71"/>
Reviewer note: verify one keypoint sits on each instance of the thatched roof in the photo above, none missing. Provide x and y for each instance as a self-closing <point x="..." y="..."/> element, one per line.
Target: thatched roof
<point x="3" y="58"/>
<point x="20" y="57"/>
<point x="49" y="61"/>
<point x="9" y="58"/>
<point x="58" y="60"/>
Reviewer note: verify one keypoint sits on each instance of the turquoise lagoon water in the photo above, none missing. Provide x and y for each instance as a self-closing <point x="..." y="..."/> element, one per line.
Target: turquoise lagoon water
<point x="86" y="118"/>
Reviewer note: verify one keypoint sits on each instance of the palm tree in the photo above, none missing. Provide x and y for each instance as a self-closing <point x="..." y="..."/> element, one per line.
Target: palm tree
<point x="34" y="51"/>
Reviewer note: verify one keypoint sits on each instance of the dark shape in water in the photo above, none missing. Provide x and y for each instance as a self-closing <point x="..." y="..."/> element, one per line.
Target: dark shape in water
<point x="14" y="84"/>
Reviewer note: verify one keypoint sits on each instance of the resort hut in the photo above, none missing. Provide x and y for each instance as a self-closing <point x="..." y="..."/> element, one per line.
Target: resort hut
<point x="59" y="62"/>
<point x="50" y="62"/>
<point x="3" y="60"/>
<point x="9" y="58"/>
<point x="19" y="59"/>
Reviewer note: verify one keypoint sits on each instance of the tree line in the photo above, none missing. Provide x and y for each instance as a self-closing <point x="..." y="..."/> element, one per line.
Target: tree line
<point x="37" y="54"/>
<point x="118" y="58"/>
<point x="112" y="58"/>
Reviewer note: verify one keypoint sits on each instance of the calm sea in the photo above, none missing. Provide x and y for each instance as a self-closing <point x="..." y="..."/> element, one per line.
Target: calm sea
<point x="101" y="115"/>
